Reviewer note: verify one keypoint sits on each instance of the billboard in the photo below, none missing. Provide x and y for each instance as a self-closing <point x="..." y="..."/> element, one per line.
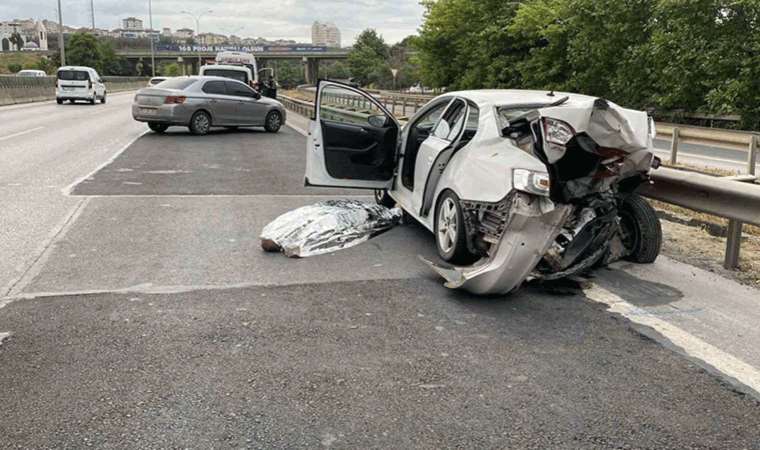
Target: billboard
<point x="242" y="48"/>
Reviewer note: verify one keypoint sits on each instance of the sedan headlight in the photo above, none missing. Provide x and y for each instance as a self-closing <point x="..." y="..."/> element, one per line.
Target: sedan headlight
<point x="531" y="182"/>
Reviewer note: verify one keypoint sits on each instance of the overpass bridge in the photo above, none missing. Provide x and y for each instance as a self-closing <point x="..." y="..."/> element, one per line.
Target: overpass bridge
<point x="189" y="61"/>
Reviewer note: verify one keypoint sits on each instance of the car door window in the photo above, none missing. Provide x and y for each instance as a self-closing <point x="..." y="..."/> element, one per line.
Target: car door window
<point x="452" y="121"/>
<point x="215" y="87"/>
<point x="338" y="104"/>
<point x="239" y="90"/>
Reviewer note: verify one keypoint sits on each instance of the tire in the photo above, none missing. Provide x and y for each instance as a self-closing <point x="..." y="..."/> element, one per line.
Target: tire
<point x="159" y="128"/>
<point x="59" y="101"/>
<point x="450" y="238"/>
<point x="273" y="122"/>
<point x="93" y="99"/>
<point x="103" y="100"/>
<point x="200" y="123"/>
<point x="382" y="198"/>
<point x="641" y="230"/>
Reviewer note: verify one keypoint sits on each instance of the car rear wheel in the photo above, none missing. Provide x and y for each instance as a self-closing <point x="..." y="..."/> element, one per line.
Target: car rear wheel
<point x="273" y="122"/>
<point x="450" y="233"/>
<point x="200" y="123"/>
<point x="103" y="100"/>
<point x="59" y="101"/>
<point x="158" y="127"/>
<point x="641" y="231"/>
<point x="92" y="100"/>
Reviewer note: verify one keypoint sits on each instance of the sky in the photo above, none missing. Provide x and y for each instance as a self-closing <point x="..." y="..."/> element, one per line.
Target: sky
<point x="275" y="19"/>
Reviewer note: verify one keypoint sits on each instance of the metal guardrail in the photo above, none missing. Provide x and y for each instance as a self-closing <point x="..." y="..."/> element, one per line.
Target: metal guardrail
<point x="710" y="136"/>
<point x="734" y="198"/>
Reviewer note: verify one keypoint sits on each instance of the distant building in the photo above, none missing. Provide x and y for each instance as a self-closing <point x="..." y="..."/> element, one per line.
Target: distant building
<point x="132" y="24"/>
<point x="234" y="40"/>
<point x="210" y="39"/>
<point x="33" y="35"/>
<point x="184" y="33"/>
<point x="166" y="32"/>
<point x="326" y="34"/>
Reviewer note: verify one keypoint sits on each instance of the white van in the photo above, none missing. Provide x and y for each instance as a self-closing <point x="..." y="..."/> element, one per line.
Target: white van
<point x="239" y="66"/>
<point x="79" y="83"/>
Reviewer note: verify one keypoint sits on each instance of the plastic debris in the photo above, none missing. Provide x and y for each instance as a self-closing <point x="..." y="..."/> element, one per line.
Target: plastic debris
<point x="326" y="227"/>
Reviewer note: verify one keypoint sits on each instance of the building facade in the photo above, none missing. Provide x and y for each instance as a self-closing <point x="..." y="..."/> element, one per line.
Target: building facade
<point x="132" y="24"/>
<point x="325" y="33"/>
<point x="33" y="35"/>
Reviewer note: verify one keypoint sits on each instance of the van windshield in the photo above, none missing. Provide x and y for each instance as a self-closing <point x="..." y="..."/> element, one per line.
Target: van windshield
<point x="73" y="75"/>
<point x="232" y="74"/>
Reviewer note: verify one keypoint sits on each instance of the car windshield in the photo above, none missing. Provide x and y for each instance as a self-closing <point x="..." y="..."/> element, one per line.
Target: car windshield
<point x="179" y="84"/>
<point x="226" y="73"/>
<point x="73" y="75"/>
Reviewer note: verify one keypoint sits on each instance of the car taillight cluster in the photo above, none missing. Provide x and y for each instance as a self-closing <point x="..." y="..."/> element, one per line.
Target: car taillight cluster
<point x="175" y="100"/>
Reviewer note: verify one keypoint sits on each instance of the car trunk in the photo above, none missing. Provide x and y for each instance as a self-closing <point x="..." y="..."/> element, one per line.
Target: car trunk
<point x="155" y="96"/>
<point x="606" y="145"/>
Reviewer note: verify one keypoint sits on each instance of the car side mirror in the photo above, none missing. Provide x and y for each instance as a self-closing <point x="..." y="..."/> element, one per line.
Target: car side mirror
<point x="378" y="121"/>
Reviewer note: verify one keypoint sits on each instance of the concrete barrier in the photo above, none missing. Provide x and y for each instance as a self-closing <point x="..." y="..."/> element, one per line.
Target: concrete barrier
<point x="15" y="90"/>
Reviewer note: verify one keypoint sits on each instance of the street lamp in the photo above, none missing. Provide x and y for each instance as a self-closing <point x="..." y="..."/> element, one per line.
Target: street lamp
<point x="197" y="18"/>
<point x="152" y="37"/>
<point x="61" y="44"/>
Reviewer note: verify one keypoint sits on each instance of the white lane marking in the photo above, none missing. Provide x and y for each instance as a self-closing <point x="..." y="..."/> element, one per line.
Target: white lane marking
<point x="716" y="358"/>
<point x="67" y="190"/>
<point x="20" y="133"/>
<point x="4" y="336"/>
<point x="297" y="129"/>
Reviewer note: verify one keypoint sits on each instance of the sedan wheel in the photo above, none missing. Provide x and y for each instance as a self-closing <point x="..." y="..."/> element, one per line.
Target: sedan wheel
<point x="273" y="122"/>
<point x="450" y="230"/>
<point x="200" y="123"/>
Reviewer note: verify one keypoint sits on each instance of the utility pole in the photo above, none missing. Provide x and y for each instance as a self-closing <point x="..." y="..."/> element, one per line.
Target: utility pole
<point x="152" y="37"/>
<point x="60" y="35"/>
<point x="92" y="13"/>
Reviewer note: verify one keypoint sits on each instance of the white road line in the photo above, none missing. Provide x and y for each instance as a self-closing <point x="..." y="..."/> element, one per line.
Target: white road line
<point x="713" y="357"/>
<point x="297" y="129"/>
<point x="67" y="190"/>
<point x="20" y="133"/>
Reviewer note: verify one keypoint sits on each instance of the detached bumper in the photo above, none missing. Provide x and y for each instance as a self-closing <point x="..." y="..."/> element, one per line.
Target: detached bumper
<point x="527" y="237"/>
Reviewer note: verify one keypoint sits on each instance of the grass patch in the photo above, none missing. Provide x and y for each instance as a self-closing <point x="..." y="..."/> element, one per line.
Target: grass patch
<point x="27" y="60"/>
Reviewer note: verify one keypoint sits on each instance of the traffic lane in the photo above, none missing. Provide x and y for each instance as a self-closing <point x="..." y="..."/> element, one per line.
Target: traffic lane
<point x="120" y="242"/>
<point x="246" y="161"/>
<point x="400" y="363"/>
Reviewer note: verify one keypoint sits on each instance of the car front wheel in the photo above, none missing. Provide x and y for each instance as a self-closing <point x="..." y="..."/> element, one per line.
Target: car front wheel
<point x="200" y="123"/>
<point x="273" y="122"/>
<point x="103" y="100"/>
<point x="641" y="231"/>
<point x="450" y="233"/>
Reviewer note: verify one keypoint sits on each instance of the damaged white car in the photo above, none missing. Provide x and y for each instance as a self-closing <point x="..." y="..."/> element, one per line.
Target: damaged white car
<point x="514" y="184"/>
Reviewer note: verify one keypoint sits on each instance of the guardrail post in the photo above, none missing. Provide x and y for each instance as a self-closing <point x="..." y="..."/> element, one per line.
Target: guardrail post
<point x="733" y="244"/>
<point x="752" y="157"/>
<point x="674" y="146"/>
<point x="403" y="106"/>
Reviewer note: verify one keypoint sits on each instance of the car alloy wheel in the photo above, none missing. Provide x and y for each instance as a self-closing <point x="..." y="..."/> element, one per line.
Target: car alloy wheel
<point x="448" y="225"/>
<point x="201" y="123"/>
<point x="274" y="122"/>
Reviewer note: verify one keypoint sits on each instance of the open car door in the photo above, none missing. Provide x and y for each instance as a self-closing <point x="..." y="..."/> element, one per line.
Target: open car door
<point x="352" y="140"/>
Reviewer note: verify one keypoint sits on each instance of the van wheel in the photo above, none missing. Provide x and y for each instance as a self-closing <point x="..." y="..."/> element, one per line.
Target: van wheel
<point x="273" y="122"/>
<point x="200" y="123"/>
<point x="92" y="100"/>
<point x="159" y="128"/>
<point x="103" y="100"/>
<point x="641" y="231"/>
<point x="450" y="233"/>
<point x="59" y="101"/>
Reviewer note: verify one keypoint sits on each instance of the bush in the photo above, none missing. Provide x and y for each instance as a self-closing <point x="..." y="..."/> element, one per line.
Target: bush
<point x="14" y="68"/>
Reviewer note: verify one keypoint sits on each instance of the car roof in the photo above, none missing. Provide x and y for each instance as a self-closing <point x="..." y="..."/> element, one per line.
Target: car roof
<point x="213" y="78"/>
<point x="84" y="68"/>
<point x="484" y="97"/>
<point x="226" y="67"/>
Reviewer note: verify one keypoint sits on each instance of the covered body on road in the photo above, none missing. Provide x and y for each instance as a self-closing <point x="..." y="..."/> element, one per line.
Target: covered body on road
<point x="515" y="184"/>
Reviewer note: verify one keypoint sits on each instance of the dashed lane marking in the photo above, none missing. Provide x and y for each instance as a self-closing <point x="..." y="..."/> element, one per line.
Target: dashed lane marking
<point x="20" y="133"/>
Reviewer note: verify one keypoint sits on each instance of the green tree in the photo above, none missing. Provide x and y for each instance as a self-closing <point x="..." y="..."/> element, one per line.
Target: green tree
<point x="83" y="50"/>
<point x="14" y="67"/>
<point x="368" y="60"/>
<point x="170" y="70"/>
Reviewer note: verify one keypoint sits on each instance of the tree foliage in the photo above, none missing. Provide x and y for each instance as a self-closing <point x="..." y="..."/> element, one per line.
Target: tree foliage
<point x="371" y="61"/>
<point x="695" y="55"/>
<point x="84" y="49"/>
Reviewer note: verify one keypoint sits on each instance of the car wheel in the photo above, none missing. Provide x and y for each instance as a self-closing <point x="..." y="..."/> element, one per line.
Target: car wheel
<point x="450" y="233"/>
<point x="382" y="198"/>
<point x="158" y="127"/>
<point x="92" y="100"/>
<point x="103" y="100"/>
<point x="200" y="123"/>
<point x="641" y="231"/>
<point x="59" y="101"/>
<point x="273" y="122"/>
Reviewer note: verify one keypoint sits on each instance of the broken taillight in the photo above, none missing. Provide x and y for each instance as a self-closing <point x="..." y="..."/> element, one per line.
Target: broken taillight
<point x="557" y="131"/>
<point x="175" y="99"/>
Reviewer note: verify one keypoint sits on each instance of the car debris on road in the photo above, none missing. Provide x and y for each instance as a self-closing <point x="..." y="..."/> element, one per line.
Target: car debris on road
<point x="326" y="227"/>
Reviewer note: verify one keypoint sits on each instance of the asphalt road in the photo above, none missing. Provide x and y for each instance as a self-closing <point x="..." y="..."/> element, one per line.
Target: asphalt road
<point x="152" y="319"/>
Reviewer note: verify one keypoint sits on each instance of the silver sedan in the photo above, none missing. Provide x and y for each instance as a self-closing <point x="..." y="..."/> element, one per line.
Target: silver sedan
<point x="200" y="103"/>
